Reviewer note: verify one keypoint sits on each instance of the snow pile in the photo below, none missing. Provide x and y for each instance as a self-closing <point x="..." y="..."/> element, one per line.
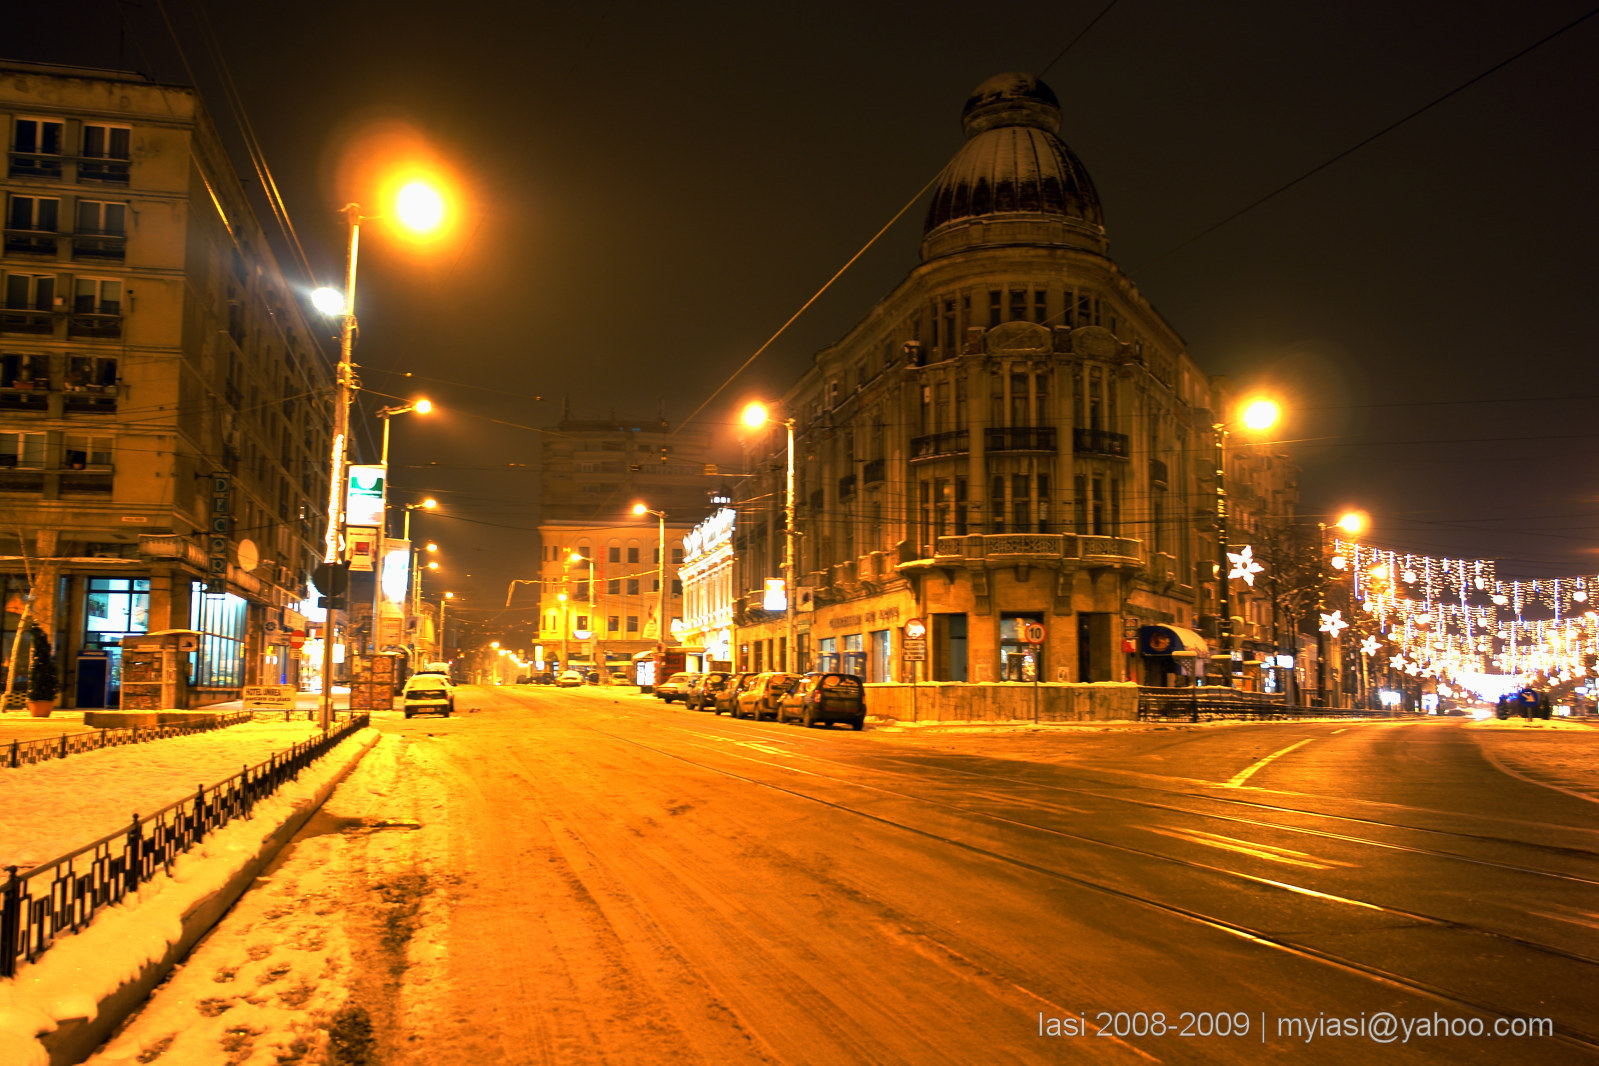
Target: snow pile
<point x="80" y="970"/>
<point x="54" y="807"/>
<point x="1531" y="723"/>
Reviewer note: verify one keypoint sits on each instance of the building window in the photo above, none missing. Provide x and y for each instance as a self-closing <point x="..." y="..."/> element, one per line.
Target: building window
<point x="36" y="148"/>
<point x="613" y="623"/>
<point x="996" y="505"/>
<point x="97" y="296"/>
<point x="22" y="451"/>
<point x="632" y="586"/>
<point x="880" y="657"/>
<point x="30" y="292"/>
<point x="101" y="230"/>
<point x="19" y="371"/>
<point x="105" y="153"/>
<point x="994" y="297"/>
<point x="852" y="657"/>
<point x="632" y="554"/>
<point x="1018" y="660"/>
<point x="613" y="554"/>
<point x="1040" y="306"/>
<point x="613" y="586"/>
<point x="220" y="621"/>
<point x="80" y="452"/>
<point x="632" y="623"/>
<point x="677" y="587"/>
<point x="1018" y="305"/>
<point x="31" y="225"/>
<point x="827" y="655"/>
<point x="677" y="556"/>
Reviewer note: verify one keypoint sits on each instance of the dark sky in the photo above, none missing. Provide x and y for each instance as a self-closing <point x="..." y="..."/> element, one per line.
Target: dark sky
<point x="653" y="189"/>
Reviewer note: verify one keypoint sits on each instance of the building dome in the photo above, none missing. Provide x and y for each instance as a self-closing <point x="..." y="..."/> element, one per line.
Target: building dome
<point x="1014" y="181"/>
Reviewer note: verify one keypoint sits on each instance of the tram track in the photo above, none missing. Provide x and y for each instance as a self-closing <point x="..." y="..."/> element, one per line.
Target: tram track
<point x="1571" y="1035"/>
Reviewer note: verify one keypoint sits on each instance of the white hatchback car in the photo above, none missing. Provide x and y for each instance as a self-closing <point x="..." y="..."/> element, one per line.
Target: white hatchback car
<point x="426" y="693"/>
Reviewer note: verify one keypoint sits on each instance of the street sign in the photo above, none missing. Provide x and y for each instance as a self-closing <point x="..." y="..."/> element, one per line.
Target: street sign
<point x="1034" y="633"/>
<point x="297" y="638"/>
<point x="913" y="648"/>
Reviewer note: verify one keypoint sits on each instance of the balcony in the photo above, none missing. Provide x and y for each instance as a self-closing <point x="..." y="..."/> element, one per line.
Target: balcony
<point x="36" y="165"/>
<point x="1099" y="442"/>
<point x="846" y="486"/>
<point x="938" y="445"/>
<point x="21" y="480"/>
<point x="102" y="247"/>
<point x="20" y="320"/>
<point x="25" y="396"/>
<point x="86" y="483"/>
<point x="1010" y="549"/>
<point x="872" y="473"/>
<point x="82" y="324"/>
<point x="1157" y="474"/>
<point x="31" y="242"/>
<point x="102" y="171"/>
<point x="1020" y="439"/>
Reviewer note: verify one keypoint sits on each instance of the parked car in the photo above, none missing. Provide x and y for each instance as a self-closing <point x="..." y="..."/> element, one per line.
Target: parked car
<point x="428" y="694"/>
<point x="675" y="687"/>
<point x="723" y="700"/>
<point x="702" y="693"/>
<point x="759" y="697"/>
<point x="569" y="679"/>
<point x="434" y="668"/>
<point x="825" y="699"/>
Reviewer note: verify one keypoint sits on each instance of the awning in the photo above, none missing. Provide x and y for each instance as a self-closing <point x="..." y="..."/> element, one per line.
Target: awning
<point x="1174" y="641"/>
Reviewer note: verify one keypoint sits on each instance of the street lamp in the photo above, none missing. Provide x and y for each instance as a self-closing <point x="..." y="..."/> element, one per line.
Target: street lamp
<point x="331" y="302"/>
<point x="755" y="416"/>
<point x="594" y="619"/>
<point x="444" y="602"/>
<point x="1352" y="523"/>
<point x="1256" y="416"/>
<point x="420" y="407"/>
<point x="660" y="609"/>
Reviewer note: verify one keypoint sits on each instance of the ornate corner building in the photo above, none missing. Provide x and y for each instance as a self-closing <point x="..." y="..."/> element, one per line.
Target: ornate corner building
<point x="164" y="406"/>
<point x="1012" y="438"/>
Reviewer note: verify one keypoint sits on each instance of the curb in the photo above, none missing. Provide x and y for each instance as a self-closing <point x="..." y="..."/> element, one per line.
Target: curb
<point x="75" y="1039"/>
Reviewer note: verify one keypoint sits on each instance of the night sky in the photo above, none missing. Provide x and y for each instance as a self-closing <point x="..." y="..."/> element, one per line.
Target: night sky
<point x="650" y="190"/>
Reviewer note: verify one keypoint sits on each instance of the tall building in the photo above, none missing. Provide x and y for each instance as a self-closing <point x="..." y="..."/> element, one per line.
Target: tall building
<point x="591" y="474"/>
<point x="164" y="406"/>
<point x="1011" y="443"/>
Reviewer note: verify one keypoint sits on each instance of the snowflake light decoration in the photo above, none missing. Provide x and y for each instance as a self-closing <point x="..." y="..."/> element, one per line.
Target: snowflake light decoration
<point x="1333" y="624"/>
<point x="1369" y="646"/>
<point x="1244" y="566"/>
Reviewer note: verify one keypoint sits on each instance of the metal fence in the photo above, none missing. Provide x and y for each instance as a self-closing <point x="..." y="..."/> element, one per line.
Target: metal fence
<point x="1202" y="703"/>
<point x="28" y="752"/>
<point x="62" y="896"/>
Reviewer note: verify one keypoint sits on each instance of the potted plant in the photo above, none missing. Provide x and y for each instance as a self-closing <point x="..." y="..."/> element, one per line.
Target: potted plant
<point x="43" y="682"/>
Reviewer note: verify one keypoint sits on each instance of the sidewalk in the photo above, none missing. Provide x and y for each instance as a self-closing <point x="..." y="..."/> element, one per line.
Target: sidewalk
<point x="19" y="725"/>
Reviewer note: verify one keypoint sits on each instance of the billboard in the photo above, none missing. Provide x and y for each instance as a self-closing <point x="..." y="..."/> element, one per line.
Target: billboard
<point x="363" y="504"/>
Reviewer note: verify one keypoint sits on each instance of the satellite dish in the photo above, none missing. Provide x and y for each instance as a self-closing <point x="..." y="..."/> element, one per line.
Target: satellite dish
<point x="249" y="554"/>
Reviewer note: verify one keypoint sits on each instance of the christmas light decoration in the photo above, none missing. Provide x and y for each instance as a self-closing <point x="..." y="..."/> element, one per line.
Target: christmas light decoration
<point x="1244" y="566"/>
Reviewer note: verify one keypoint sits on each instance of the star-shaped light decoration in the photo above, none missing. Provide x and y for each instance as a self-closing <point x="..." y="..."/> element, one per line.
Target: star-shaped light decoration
<point x="1396" y="661"/>
<point x="1369" y="646"/>
<point x="1333" y="624"/>
<point x="1244" y="566"/>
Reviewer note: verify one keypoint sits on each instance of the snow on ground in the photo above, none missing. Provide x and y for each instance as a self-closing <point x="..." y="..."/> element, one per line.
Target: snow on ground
<point x="1556" y="752"/>
<point x="54" y="807"/>
<point x="268" y="985"/>
<point x="68" y="980"/>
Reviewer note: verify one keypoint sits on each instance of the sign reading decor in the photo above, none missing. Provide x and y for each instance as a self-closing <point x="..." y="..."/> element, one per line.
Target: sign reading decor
<point x="217" y="536"/>
<point x="268" y="697"/>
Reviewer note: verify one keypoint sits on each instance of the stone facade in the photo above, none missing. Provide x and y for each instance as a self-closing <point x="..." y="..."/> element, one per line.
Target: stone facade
<point x="1012" y="437"/>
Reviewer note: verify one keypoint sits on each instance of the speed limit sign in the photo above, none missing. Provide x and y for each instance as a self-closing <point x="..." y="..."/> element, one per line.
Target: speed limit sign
<point x="1034" y="633"/>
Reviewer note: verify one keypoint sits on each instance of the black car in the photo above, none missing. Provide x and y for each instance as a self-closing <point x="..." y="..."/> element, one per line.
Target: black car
<point x="725" y="700"/>
<point x="702" y="693"/>
<point x="824" y="699"/>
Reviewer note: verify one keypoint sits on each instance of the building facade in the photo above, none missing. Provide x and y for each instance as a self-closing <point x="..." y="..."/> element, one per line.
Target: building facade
<point x="1011" y="444"/>
<point x="164" y="406"/>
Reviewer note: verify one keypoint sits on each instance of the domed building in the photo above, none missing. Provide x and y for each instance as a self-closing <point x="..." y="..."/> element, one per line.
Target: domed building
<point x="1012" y="439"/>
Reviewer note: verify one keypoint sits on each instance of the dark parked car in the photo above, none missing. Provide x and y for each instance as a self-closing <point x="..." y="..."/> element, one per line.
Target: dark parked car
<point x="824" y="699"/>
<point x="702" y="693"/>
<point x="759" y="697"/>
<point x="723" y="700"/>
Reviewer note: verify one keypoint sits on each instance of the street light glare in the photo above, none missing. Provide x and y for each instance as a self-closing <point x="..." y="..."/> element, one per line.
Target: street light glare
<point x="420" y="207"/>
<point x="1261" y="414"/>
<point x="1352" y="523"/>
<point x="754" y="416"/>
<point x="422" y="407"/>
<point x="328" y="300"/>
<point x="639" y="508"/>
<point x="429" y="503"/>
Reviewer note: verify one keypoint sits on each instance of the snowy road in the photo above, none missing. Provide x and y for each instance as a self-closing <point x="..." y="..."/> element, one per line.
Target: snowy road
<point x="576" y="877"/>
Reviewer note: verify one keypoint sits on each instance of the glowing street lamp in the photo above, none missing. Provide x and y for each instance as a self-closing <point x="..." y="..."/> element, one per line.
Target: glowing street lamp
<point x="1256" y="416"/>
<point x="756" y="415"/>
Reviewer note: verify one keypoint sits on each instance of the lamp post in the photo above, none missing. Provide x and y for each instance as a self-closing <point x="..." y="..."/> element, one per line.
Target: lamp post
<point x="420" y="407"/>
<point x="756" y="414"/>
<point x="1352" y="523"/>
<point x="444" y="602"/>
<point x="419" y="208"/>
<point x="660" y="608"/>
<point x="413" y="599"/>
<point x="1258" y="416"/>
<point x="594" y="629"/>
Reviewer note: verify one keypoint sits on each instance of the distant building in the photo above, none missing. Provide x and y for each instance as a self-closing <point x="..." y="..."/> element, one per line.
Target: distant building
<point x="708" y="591"/>
<point x="164" y="407"/>
<point x="1013" y="437"/>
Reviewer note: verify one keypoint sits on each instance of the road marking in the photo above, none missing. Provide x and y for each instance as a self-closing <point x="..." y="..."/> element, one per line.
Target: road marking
<point x="1335" y="732"/>
<point x="1586" y="918"/>
<point x="1249" y="847"/>
<point x="1239" y="779"/>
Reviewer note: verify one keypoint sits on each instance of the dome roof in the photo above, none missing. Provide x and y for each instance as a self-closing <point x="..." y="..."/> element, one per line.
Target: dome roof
<point x="1013" y="168"/>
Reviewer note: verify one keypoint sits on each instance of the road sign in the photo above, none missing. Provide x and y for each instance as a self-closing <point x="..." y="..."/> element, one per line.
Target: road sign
<point x="913" y="649"/>
<point x="297" y="638"/>
<point x="1034" y="633"/>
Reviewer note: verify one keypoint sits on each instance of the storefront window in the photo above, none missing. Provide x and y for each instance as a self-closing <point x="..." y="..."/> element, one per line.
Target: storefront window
<point x="827" y="655"/>
<point x="853" y="659"/>
<point x="879" y="662"/>
<point x="113" y="608"/>
<point x="220" y="622"/>
<point x="1018" y="660"/>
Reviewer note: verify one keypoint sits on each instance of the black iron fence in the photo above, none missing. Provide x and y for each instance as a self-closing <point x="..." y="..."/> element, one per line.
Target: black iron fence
<point x="41" y="905"/>
<point x="28" y="752"/>
<point x="1202" y="703"/>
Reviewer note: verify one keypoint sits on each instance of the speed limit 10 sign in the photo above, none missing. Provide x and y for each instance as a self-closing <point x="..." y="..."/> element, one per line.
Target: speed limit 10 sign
<point x="1034" y="633"/>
